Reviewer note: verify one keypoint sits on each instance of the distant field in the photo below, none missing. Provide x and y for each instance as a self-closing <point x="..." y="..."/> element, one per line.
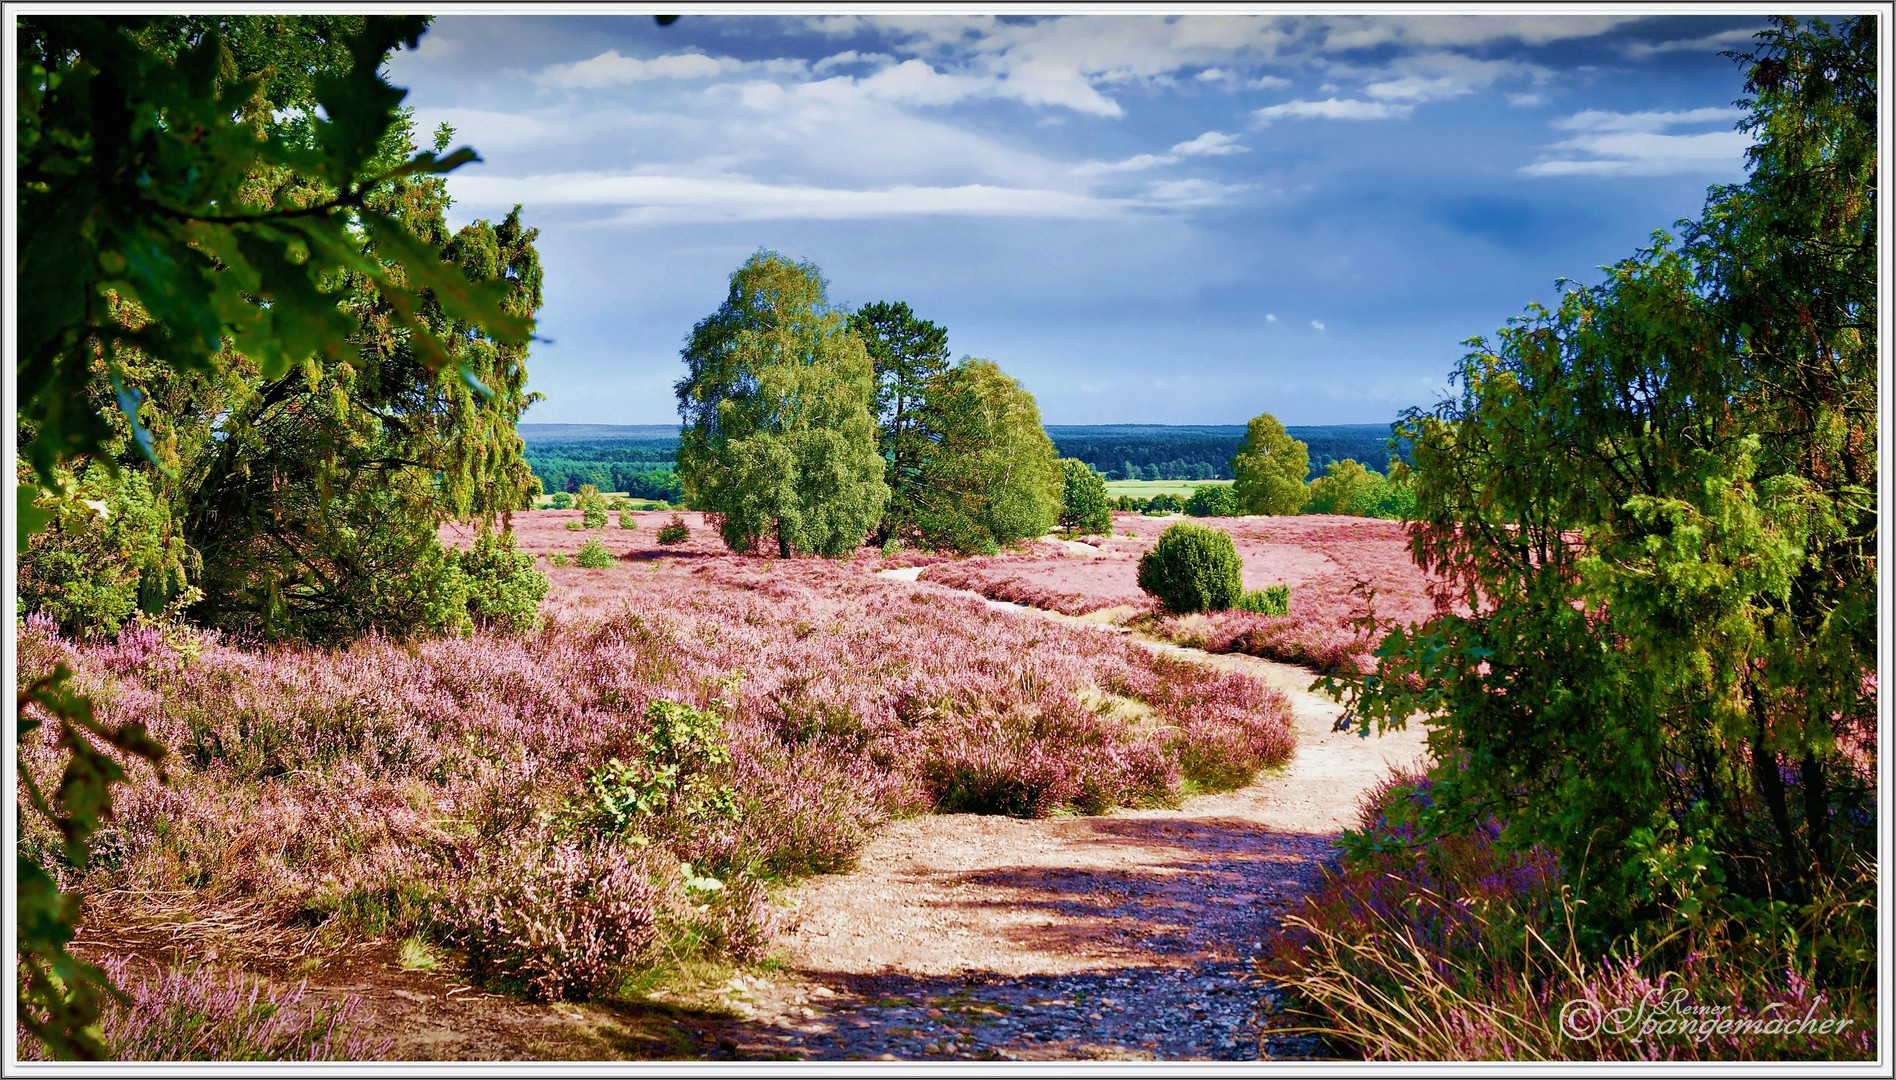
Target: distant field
<point x="1145" y="489"/>
<point x="544" y="502"/>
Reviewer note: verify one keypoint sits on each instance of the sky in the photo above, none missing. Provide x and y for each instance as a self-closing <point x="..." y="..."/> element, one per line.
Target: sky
<point x="1164" y="219"/>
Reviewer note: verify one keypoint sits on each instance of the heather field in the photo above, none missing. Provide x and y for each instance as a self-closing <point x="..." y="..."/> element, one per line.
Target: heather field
<point x="1329" y="562"/>
<point x="743" y="721"/>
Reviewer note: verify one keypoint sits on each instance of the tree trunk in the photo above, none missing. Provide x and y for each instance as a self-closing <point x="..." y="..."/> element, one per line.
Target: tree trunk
<point x="1764" y="770"/>
<point x="1817" y="811"/>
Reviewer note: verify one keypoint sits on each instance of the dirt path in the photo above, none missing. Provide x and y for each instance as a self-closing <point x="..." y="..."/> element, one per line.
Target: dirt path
<point x="1122" y="936"/>
<point x="1127" y="935"/>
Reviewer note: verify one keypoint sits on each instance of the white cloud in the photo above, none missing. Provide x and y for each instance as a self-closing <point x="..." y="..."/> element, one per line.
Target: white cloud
<point x="1131" y="164"/>
<point x="1599" y="120"/>
<point x="850" y="57"/>
<point x="611" y="69"/>
<point x="1364" y="32"/>
<point x="1646" y="154"/>
<point x="1270" y="318"/>
<point x="1193" y="192"/>
<point x="1318" y="325"/>
<point x="666" y="200"/>
<point x="1638" y="144"/>
<point x="1333" y="109"/>
<point x="915" y="82"/>
<point x="1525" y="101"/>
<point x="1434" y="76"/>
<point x="1724" y="39"/>
<point x="1072" y="62"/>
<point x="1211" y="142"/>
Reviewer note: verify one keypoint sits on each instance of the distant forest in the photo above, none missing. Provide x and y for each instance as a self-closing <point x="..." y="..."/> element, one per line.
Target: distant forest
<point x="1182" y="452"/>
<point x="638" y="458"/>
<point x="642" y="467"/>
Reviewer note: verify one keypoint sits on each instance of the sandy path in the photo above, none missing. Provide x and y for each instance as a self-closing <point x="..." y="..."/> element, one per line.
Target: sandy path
<point x="1127" y="935"/>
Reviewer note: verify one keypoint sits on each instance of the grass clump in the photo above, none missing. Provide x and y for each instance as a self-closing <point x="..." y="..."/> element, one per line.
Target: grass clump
<point x="1270" y="600"/>
<point x="675" y="532"/>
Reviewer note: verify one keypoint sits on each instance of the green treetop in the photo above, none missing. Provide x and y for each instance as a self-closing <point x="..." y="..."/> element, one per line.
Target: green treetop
<point x="1083" y="504"/>
<point x="777" y="438"/>
<point x="910" y="357"/>
<point x="1269" y="469"/>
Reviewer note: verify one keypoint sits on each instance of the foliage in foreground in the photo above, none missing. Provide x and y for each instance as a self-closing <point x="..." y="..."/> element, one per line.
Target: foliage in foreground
<point x="1652" y="514"/>
<point x="1429" y="948"/>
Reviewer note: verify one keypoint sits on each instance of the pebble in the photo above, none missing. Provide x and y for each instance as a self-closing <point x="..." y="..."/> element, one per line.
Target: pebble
<point x="1206" y="1011"/>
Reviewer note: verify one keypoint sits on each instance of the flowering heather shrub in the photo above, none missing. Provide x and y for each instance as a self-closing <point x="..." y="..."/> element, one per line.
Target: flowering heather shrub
<point x="1459" y="949"/>
<point x="739" y="920"/>
<point x="1321" y="559"/>
<point x="212" y="1014"/>
<point x="1047" y="579"/>
<point x="564" y="921"/>
<point x="369" y="790"/>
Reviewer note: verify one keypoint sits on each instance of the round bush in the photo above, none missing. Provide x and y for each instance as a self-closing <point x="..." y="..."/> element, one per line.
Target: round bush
<point x="1193" y="568"/>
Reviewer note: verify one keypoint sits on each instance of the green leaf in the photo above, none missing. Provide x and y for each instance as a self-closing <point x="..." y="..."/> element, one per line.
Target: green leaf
<point x="28" y="518"/>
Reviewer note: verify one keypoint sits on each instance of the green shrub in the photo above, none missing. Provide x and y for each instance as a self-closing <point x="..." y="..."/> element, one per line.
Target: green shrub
<point x="891" y="546"/>
<point x="111" y="550"/>
<point x="575" y="526"/>
<point x="554" y="558"/>
<point x="593" y="555"/>
<point x="562" y="501"/>
<point x="618" y="502"/>
<point x="1213" y="501"/>
<point x="678" y="754"/>
<point x="1193" y="568"/>
<point x="1271" y="600"/>
<point x="503" y="589"/>
<point x="677" y="532"/>
<point x="627" y="521"/>
<point x="592" y="506"/>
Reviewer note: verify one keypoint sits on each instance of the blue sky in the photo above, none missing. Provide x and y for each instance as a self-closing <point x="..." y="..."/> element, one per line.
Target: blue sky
<point x="1145" y="219"/>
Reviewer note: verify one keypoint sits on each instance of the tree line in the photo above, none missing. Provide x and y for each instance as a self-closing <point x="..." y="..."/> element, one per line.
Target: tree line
<point x="1156" y="452"/>
<point x="642" y="469"/>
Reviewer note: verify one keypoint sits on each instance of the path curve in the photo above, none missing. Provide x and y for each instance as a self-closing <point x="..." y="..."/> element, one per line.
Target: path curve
<point x="1122" y="936"/>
